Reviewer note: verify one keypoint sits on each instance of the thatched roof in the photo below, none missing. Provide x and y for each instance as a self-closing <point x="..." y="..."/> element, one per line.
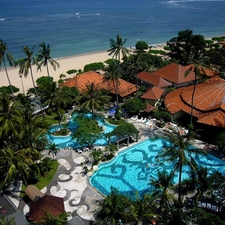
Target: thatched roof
<point x="33" y="192"/>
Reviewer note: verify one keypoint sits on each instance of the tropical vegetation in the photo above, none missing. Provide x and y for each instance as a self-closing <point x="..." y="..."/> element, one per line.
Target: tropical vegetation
<point x="23" y="132"/>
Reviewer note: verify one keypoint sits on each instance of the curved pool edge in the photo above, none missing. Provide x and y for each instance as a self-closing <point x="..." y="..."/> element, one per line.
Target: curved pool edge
<point x="127" y="148"/>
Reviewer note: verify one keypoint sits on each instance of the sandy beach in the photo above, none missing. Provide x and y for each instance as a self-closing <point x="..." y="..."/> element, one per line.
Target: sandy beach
<point x="67" y="63"/>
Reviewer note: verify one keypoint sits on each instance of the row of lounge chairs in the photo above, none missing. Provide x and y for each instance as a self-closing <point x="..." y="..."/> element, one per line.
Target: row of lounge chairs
<point x="78" y="150"/>
<point x="146" y="121"/>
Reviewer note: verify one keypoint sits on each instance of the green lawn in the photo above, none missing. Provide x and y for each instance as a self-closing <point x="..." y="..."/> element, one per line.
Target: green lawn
<point x="44" y="181"/>
<point x="52" y="118"/>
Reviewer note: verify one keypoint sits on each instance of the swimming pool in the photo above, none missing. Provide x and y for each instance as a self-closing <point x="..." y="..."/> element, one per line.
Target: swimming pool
<point x="67" y="141"/>
<point x="131" y="170"/>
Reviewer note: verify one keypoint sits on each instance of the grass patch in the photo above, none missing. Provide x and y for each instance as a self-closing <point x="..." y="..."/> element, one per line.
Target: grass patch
<point x="52" y="118"/>
<point x="44" y="181"/>
<point x="62" y="132"/>
<point x="115" y="122"/>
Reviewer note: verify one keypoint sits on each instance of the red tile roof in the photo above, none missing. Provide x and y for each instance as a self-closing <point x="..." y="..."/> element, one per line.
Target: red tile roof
<point x="209" y="102"/>
<point x="125" y="88"/>
<point x="149" y="108"/>
<point x="52" y="204"/>
<point x="204" y="70"/>
<point x="153" y="79"/>
<point x="215" y="78"/>
<point x="153" y="93"/>
<point x="175" y="73"/>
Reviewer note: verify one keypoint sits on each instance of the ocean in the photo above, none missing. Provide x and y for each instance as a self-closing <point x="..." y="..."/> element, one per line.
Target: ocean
<point x="82" y="26"/>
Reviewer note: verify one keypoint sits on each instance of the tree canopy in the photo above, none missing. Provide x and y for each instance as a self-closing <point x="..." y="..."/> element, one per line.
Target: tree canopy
<point x="88" y="131"/>
<point x="94" y="66"/>
<point x="141" y="46"/>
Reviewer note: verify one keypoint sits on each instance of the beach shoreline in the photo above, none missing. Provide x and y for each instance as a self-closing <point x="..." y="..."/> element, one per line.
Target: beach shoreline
<point x="66" y="63"/>
<point x="77" y="61"/>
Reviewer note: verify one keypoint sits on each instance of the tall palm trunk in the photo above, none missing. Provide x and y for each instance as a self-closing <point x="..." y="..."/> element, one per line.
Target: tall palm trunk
<point x="36" y="93"/>
<point x="21" y="77"/>
<point x="192" y="99"/>
<point x="117" y="94"/>
<point x="6" y="71"/>
<point x="32" y="77"/>
<point x="47" y="69"/>
<point x="59" y="115"/>
<point x="179" y="184"/>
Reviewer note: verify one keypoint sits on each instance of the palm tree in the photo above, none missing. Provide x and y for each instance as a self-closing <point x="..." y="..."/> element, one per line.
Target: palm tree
<point x="200" y="182"/>
<point x="44" y="58"/>
<point x="198" y="71"/>
<point x="162" y="186"/>
<point x="10" y="119"/>
<point x="53" y="149"/>
<point x="145" y="208"/>
<point x="7" y="221"/>
<point x="113" y="74"/>
<point x="26" y="63"/>
<point x="49" y="219"/>
<point x="32" y="127"/>
<point x="117" y="48"/>
<point x="54" y="96"/>
<point x="14" y="163"/>
<point x="181" y="153"/>
<point x="111" y="149"/>
<point x="92" y="99"/>
<point x="115" y="209"/>
<point x="10" y="59"/>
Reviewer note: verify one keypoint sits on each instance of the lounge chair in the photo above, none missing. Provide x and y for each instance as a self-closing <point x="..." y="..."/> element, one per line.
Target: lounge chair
<point x="150" y="122"/>
<point x="144" y="120"/>
<point x="79" y="151"/>
<point x="136" y="118"/>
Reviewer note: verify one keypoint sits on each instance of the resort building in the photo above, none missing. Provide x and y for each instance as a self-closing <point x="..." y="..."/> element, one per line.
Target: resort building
<point x="209" y="102"/>
<point x="172" y="75"/>
<point x="176" y="74"/>
<point x="151" y="80"/>
<point x="152" y="97"/>
<point x="204" y="71"/>
<point x="81" y="80"/>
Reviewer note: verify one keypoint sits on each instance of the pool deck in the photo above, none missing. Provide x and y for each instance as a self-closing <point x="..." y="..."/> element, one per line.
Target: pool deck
<point x="70" y="184"/>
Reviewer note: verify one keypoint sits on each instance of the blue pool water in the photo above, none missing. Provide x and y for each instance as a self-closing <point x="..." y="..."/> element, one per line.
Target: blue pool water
<point x="128" y="172"/>
<point x="67" y="141"/>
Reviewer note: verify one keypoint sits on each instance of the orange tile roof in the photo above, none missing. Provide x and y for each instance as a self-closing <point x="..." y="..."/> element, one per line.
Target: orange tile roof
<point x="149" y="108"/>
<point x="175" y="73"/>
<point x="209" y="102"/>
<point x="125" y="88"/>
<point x="215" y="78"/>
<point x="153" y="79"/>
<point x="153" y="93"/>
<point x="204" y="70"/>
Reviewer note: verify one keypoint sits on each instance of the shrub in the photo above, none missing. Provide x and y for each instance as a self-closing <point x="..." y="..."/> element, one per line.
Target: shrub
<point x="61" y="132"/>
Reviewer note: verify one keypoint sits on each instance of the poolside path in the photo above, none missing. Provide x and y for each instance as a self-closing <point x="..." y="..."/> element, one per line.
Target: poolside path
<point x="69" y="183"/>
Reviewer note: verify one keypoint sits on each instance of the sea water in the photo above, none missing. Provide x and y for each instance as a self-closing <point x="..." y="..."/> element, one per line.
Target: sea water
<point x="81" y="26"/>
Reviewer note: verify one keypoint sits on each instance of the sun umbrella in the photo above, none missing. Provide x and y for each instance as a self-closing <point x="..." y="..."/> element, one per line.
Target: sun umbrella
<point x="112" y="111"/>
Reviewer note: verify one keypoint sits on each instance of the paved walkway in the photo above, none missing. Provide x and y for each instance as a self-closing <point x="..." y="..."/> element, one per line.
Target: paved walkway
<point x="69" y="183"/>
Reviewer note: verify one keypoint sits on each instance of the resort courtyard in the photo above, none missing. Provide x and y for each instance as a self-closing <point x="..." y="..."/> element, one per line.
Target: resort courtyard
<point x="73" y="186"/>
